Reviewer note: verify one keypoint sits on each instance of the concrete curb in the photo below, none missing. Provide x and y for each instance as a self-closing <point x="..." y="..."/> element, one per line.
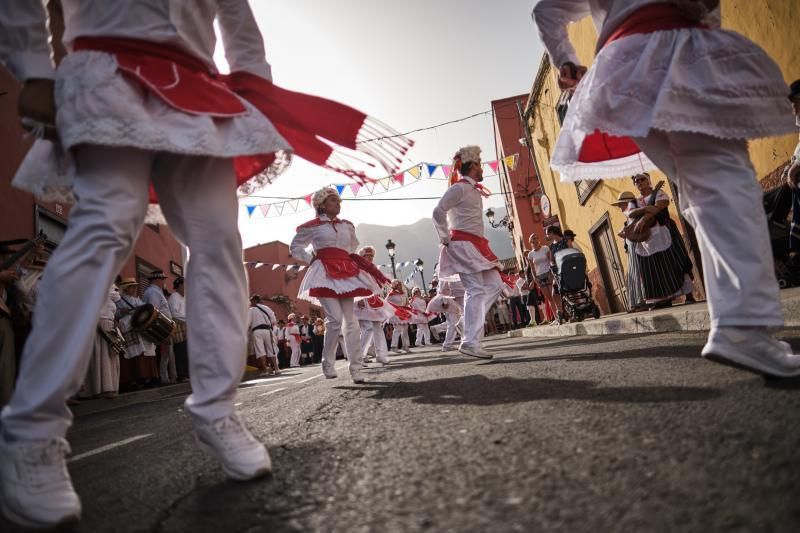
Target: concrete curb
<point x="692" y="317"/>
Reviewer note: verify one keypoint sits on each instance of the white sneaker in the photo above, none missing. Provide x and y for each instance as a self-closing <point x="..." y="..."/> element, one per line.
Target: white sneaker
<point x="755" y="349"/>
<point x="36" y="488"/>
<point x="475" y="351"/>
<point x="448" y="347"/>
<point x="329" y="371"/>
<point x="228" y="440"/>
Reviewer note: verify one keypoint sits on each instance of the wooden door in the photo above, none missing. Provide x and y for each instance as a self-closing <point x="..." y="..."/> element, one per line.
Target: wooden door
<point x="609" y="263"/>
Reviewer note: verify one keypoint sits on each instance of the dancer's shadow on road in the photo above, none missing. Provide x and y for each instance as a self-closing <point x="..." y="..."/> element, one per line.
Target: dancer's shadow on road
<point x="487" y="391"/>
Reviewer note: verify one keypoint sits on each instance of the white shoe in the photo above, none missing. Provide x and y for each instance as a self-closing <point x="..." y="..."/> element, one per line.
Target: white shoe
<point x="227" y="439"/>
<point x="448" y="347"/>
<point x="395" y="350"/>
<point x="754" y="349"/>
<point x="383" y="360"/>
<point x="358" y="377"/>
<point x="36" y="488"/>
<point x="329" y="371"/>
<point x="475" y="351"/>
<point x="407" y="350"/>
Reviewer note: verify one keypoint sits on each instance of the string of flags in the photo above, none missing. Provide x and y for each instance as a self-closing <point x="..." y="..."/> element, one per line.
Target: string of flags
<point x="275" y="266"/>
<point x="352" y="190"/>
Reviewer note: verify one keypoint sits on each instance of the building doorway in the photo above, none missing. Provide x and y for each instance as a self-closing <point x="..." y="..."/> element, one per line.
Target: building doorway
<point x="609" y="264"/>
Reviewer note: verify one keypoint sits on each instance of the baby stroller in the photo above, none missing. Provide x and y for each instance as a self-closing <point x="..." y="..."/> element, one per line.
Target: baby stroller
<point x="576" y="298"/>
<point x="777" y="204"/>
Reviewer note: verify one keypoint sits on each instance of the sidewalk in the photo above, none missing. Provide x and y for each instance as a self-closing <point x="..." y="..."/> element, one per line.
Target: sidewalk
<point x="693" y="317"/>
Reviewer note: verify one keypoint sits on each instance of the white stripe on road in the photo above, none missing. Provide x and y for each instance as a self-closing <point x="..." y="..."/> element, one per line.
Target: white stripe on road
<point x="312" y="377"/>
<point x="107" y="447"/>
<point x="272" y="392"/>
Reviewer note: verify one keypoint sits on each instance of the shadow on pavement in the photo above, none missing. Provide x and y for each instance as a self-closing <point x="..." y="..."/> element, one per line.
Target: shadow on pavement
<point x="609" y="356"/>
<point x="482" y="390"/>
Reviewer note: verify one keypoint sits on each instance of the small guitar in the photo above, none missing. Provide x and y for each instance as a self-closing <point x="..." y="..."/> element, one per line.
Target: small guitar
<point x="639" y="229"/>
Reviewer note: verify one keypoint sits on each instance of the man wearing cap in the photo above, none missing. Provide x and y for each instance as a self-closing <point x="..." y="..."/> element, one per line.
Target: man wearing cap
<point x="261" y="323"/>
<point x="154" y="295"/>
<point x="464" y="252"/>
<point x="177" y="306"/>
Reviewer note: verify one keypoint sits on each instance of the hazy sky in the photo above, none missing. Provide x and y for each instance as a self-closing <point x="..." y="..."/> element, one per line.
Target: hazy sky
<point x="411" y="63"/>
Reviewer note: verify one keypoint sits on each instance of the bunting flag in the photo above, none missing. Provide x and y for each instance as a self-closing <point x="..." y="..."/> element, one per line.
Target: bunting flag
<point x="511" y="161"/>
<point x="276" y="267"/>
<point x="352" y="190"/>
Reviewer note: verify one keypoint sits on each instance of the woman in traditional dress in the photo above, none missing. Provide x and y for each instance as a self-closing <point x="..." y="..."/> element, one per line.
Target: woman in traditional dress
<point x="420" y="317"/>
<point x="633" y="279"/>
<point x="661" y="260"/>
<point x="139" y="365"/>
<point x="371" y="313"/>
<point x="335" y="276"/>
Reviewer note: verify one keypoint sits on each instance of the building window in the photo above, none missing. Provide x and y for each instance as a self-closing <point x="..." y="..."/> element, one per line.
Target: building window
<point x="143" y="271"/>
<point x="52" y="225"/>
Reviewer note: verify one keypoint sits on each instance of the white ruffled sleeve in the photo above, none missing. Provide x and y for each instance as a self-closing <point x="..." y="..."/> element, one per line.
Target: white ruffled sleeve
<point x="551" y="18"/>
<point x="244" y="45"/>
<point x="24" y="49"/>
<point x="299" y="245"/>
<point x="449" y="200"/>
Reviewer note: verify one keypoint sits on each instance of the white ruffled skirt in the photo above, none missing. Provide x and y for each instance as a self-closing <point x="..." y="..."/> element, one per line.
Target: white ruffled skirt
<point x="462" y="257"/>
<point x="317" y="278"/>
<point x="712" y="82"/>
<point x="96" y="104"/>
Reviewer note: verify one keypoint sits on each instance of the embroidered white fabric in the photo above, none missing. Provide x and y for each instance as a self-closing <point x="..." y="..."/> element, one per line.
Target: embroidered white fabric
<point x="462" y="257"/>
<point x="372" y="314"/>
<point x="713" y="82"/>
<point x="98" y="105"/>
<point x="317" y="278"/>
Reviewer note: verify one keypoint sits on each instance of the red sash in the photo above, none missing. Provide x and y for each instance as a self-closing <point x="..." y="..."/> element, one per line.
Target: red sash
<point x="600" y="146"/>
<point x="341" y="265"/>
<point x="375" y="301"/>
<point x="480" y="243"/>
<point x="185" y="83"/>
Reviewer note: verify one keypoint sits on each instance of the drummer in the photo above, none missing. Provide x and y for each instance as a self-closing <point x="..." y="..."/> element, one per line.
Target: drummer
<point x="154" y="295"/>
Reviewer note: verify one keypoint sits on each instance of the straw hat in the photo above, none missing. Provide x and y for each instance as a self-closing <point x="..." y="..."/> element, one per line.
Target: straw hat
<point x="625" y="197"/>
<point x="127" y="282"/>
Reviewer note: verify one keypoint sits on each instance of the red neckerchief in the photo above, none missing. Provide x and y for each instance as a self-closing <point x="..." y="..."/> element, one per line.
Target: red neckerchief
<point x="478" y="187"/>
<point x="319" y="222"/>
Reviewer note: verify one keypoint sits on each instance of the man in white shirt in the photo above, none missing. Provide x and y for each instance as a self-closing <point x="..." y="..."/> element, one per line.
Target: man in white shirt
<point x="465" y="253"/>
<point x="261" y="323"/>
<point x="154" y="295"/>
<point x="177" y="306"/>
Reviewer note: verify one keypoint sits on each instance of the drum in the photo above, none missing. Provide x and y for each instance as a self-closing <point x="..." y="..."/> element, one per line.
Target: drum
<point x="152" y="324"/>
<point x="179" y="335"/>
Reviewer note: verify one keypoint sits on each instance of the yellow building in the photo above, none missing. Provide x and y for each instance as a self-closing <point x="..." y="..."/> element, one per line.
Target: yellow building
<point x="586" y="208"/>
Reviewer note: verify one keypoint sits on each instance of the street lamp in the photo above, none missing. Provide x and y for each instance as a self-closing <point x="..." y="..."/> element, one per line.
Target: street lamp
<point x="390" y="248"/>
<point x="492" y="223"/>
<point x="419" y="264"/>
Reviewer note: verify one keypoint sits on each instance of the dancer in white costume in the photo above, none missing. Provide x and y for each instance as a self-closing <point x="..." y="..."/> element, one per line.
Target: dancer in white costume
<point x="293" y="338"/>
<point x="420" y="317"/>
<point x="465" y="253"/>
<point x="121" y="137"/>
<point x="689" y="95"/>
<point x="335" y="276"/>
<point x="398" y="298"/>
<point x="447" y="305"/>
<point x="371" y="313"/>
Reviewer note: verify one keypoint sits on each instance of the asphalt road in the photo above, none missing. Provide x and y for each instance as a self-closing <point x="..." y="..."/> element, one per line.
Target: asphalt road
<point x="617" y="434"/>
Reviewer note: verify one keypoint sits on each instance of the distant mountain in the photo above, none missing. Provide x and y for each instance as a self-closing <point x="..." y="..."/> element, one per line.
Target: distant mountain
<point x="419" y="240"/>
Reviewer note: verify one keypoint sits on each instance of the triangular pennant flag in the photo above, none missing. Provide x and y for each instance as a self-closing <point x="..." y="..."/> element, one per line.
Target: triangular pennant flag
<point x="431" y="169"/>
<point x="250" y="209"/>
<point x="446" y="169"/>
<point x="279" y="208"/>
<point x="301" y="268"/>
<point x="290" y="268"/>
<point x="370" y="187"/>
<point x="340" y="188"/>
<point x="294" y="204"/>
<point x="399" y="178"/>
<point x="385" y="183"/>
<point x="415" y="171"/>
<point x="264" y="209"/>
<point x="355" y="187"/>
<point x="307" y="198"/>
<point x="511" y="161"/>
<point x="260" y="264"/>
<point x="276" y="267"/>
<point x="494" y="165"/>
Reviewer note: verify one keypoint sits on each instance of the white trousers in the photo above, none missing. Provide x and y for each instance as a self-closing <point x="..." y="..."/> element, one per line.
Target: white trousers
<point x="400" y="331"/>
<point x="481" y="289"/>
<point x="167" y="370"/>
<point x="198" y="198"/>
<point x="294" y="360"/>
<point x="453" y="322"/>
<point x="423" y="335"/>
<point x="262" y="343"/>
<point x="720" y="197"/>
<point x="340" y="318"/>
<point x="372" y="335"/>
